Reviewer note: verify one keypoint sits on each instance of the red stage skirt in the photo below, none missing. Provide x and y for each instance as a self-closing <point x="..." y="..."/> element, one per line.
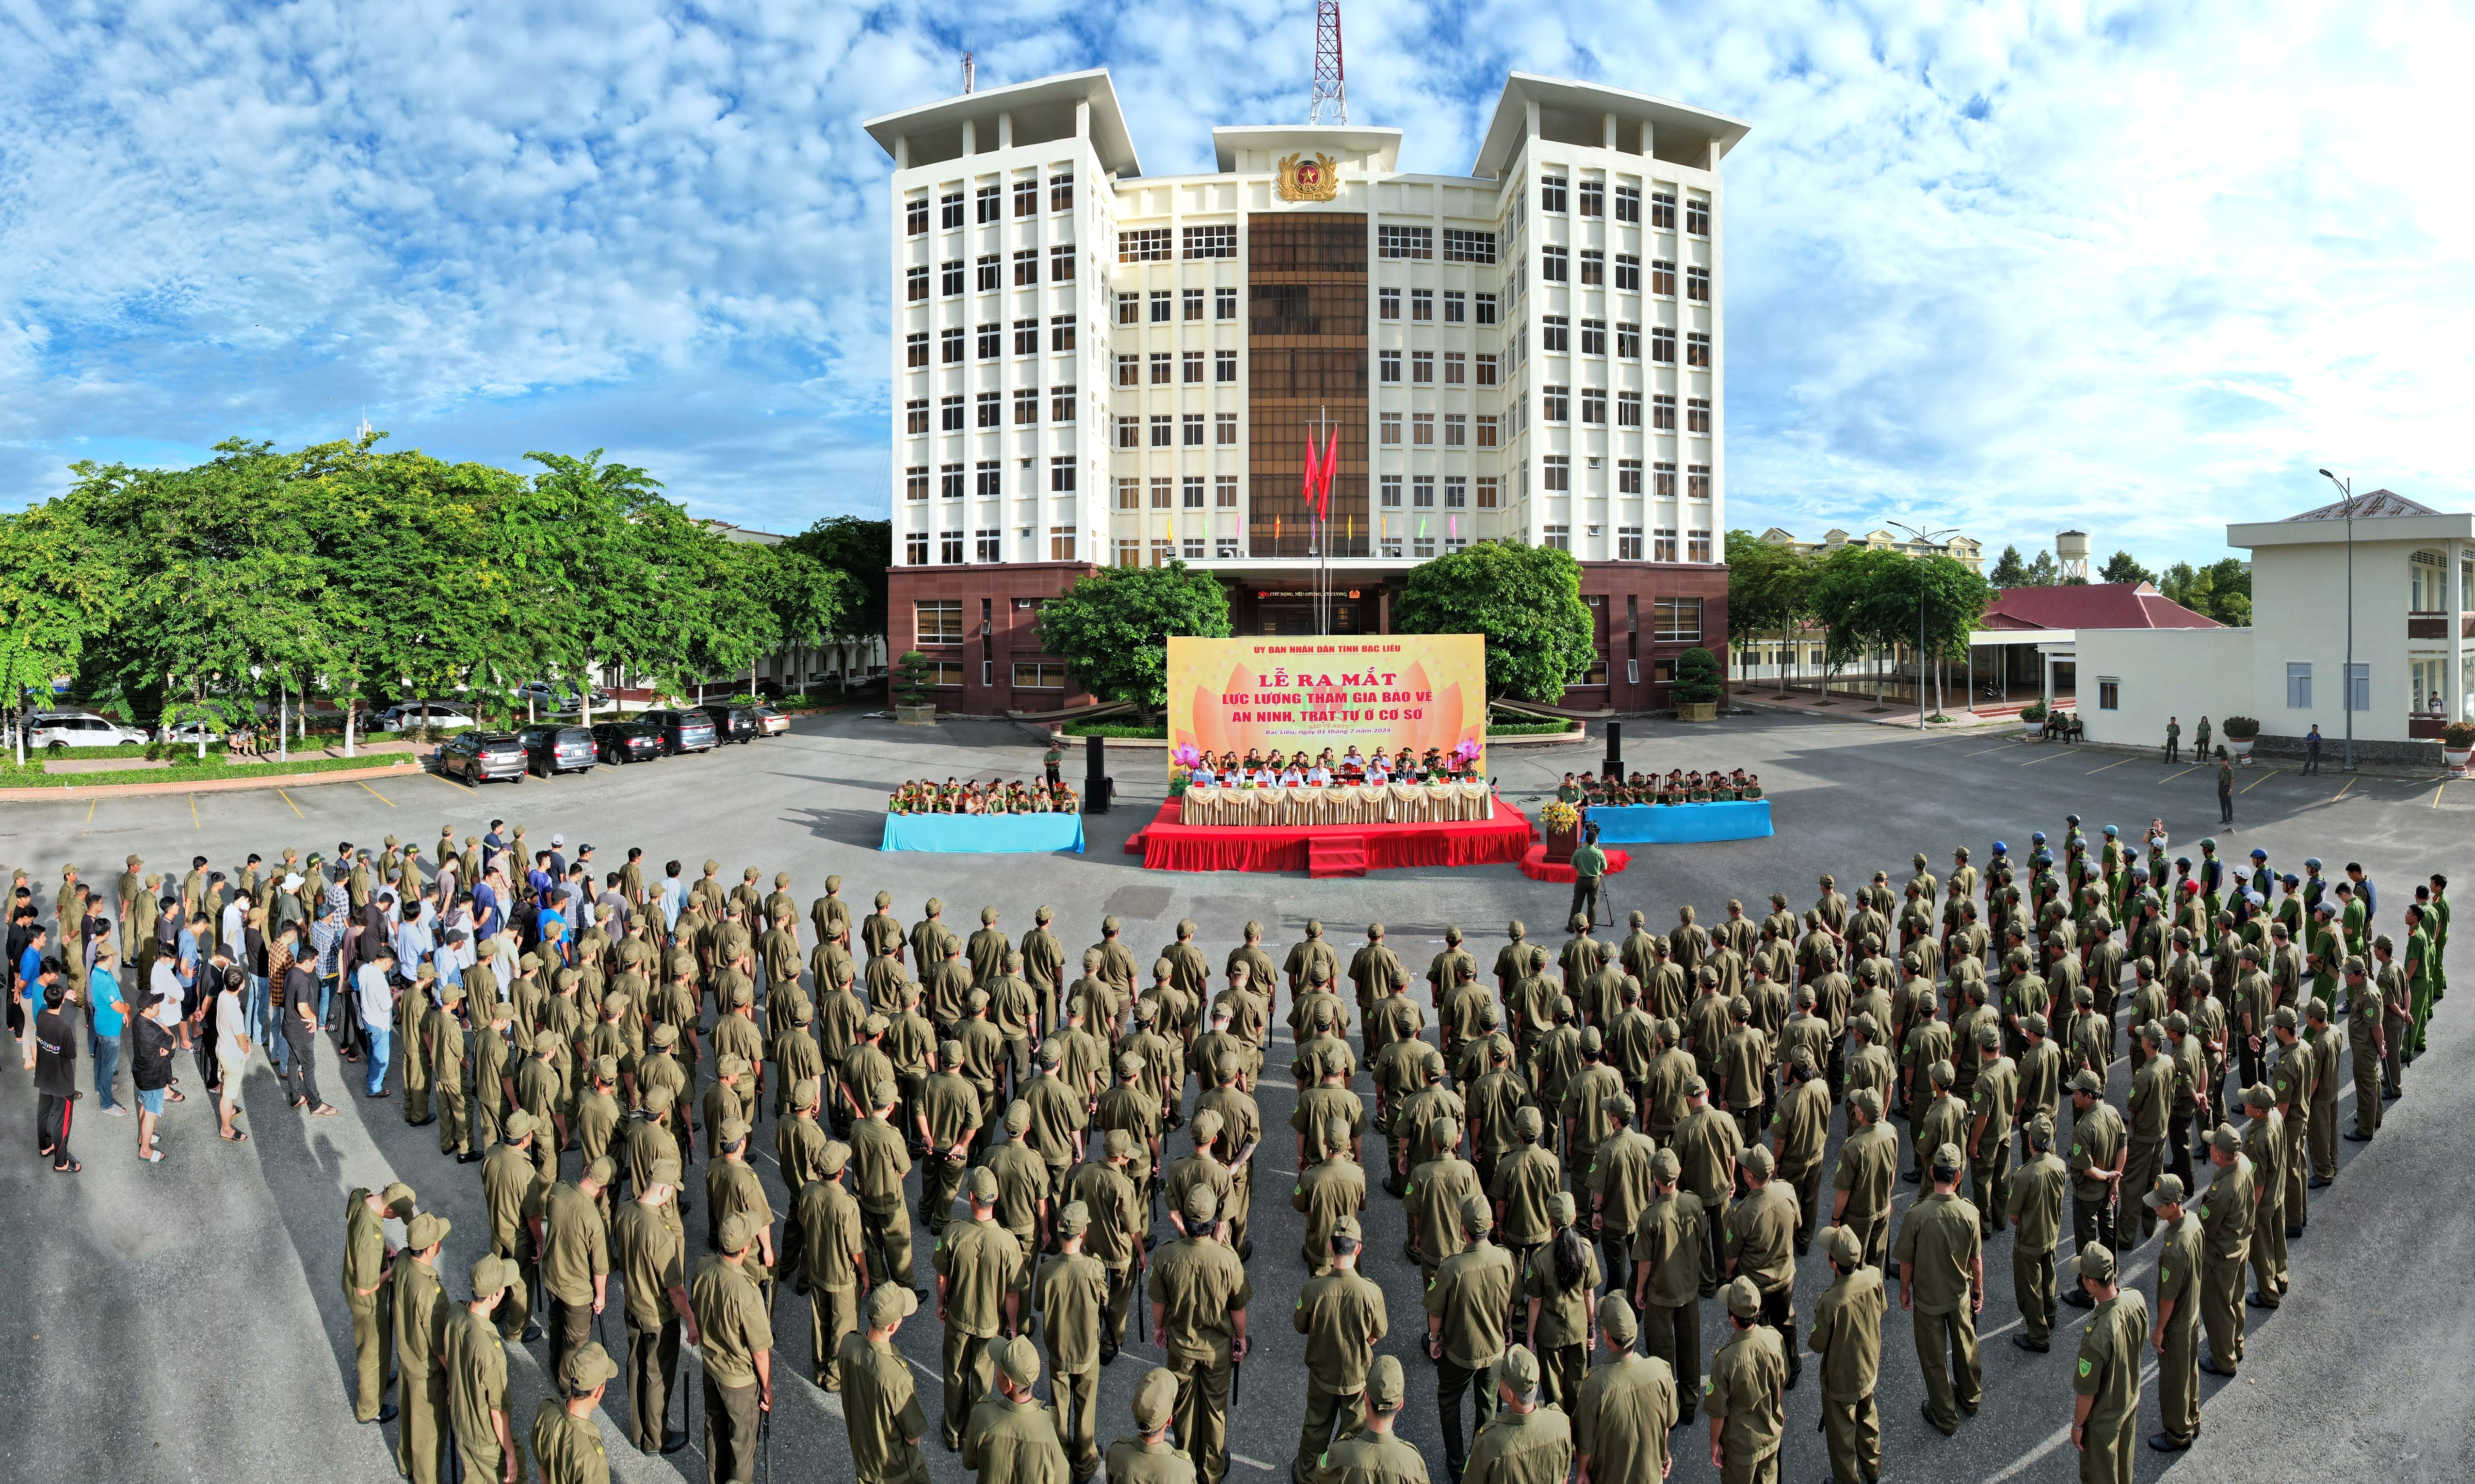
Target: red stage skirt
<point x="1168" y="845"/>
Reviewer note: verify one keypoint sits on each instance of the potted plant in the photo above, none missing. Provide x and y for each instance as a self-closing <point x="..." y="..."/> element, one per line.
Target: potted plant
<point x="1563" y="824"/>
<point x="912" y="705"/>
<point x="2032" y="720"/>
<point x="2457" y="744"/>
<point x="1698" y="688"/>
<point x="2239" y="733"/>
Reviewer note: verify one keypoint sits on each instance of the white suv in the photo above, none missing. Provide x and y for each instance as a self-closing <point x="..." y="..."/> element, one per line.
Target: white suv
<point x="80" y="729"/>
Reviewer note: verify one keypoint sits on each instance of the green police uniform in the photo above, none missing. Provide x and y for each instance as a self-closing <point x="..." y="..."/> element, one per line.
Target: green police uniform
<point x="733" y="1328"/>
<point x="1470" y="1295"/>
<point x="881" y="1410"/>
<point x="652" y="1262"/>
<point x="1848" y="1337"/>
<point x="368" y="1299"/>
<point x="1625" y="1407"/>
<point x="2226" y="1212"/>
<point x="832" y="1262"/>
<point x="1070" y="1295"/>
<point x="977" y="1263"/>
<point x="2036" y="1213"/>
<point x="1342" y="1316"/>
<point x="1523" y="1447"/>
<point x="421" y="1385"/>
<point x="2178" y="1314"/>
<point x="1202" y="1292"/>
<point x="1940" y="1241"/>
<point x="1746" y="1391"/>
<point x="2108" y="1370"/>
<point x="475" y="1362"/>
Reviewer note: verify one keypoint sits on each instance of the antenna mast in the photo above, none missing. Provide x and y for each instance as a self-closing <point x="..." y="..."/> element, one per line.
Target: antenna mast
<point x="1331" y="105"/>
<point x="969" y="73"/>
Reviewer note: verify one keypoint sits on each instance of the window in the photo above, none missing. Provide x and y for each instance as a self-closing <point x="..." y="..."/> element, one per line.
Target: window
<point x="1224" y="429"/>
<point x="1594" y="198"/>
<point x="1387" y="365"/>
<point x="1697" y="283"/>
<point x="1027" y="405"/>
<point x="1060" y="331"/>
<point x="1594" y="404"/>
<point x="1662" y="412"/>
<point x="1594" y="337"/>
<point x="1422" y="367"/>
<point x="1388" y="491"/>
<point x="1628" y="272"/>
<point x="1555" y="404"/>
<point x="1463" y="246"/>
<point x="1150" y="245"/>
<point x="1629" y="203"/>
<point x="1130" y="371"/>
<point x="1061" y="404"/>
<point x="1662" y="479"/>
<point x="2359" y="688"/>
<point x="1662" y="210"/>
<point x="2298" y="687"/>
<point x="1038" y="675"/>
<point x="1456" y="306"/>
<point x="1456" y="429"/>
<point x="1224" y="494"/>
<point x="1060" y="542"/>
<point x="1390" y="546"/>
<point x="1555" y="266"/>
<point x="1026" y="337"/>
<point x="1224" y="366"/>
<point x="1662" y="344"/>
<point x="1422" y="547"/>
<point x="1191" y="368"/>
<point x="1485" y="307"/>
<point x="1388" y="303"/>
<point x="1662" y="278"/>
<point x="986" y="476"/>
<point x="915" y="415"/>
<point x="1160" y="363"/>
<point x="1628" y="543"/>
<point x="949" y="481"/>
<point x="1663" y="544"/>
<point x="1697" y="481"/>
<point x="1130" y="494"/>
<point x="1212" y="242"/>
<point x="1422" y="304"/>
<point x="1026" y="268"/>
<point x="949" y="346"/>
<point x="915" y="544"/>
<point x="949" y="551"/>
<point x="1224" y="304"/>
<point x="938" y="620"/>
<point x="1697" y="218"/>
<point x="1488" y="424"/>
<point x="986" y="546"/>
<point x="1162" y="427"/>
<point x="1224" y="547"/>
<point x="1061" y="474"/>
<point x="949" y="278"/>
<point x="1191" y="548"/>
<point x="1550" y="193"/>
<point x="1130" y="309"/>
<point x="988" y="343"/>
<point x="1389" y="427"/>
<point x="1555" y="474"/>
<point x="1676" y="621"/>
<point x="915" y="482"/>
<point x="949" y="210"/>
<point x="1061" y="263"/>
<point x="1557" y="538"/>
<point x="1190" y="493"/>
<point x="1422" y="492"/>
<point x="1627" y="476"/>
<point x="1697" y="349"/>
<point x="1629" y="410"/>
<point x="1163" y="549"/>
<point x="988" y="410"/>
<point x="950" y="414"/>
<point x="1061" y="193"/>
<point x="1487" y="365"/>
<point x="1555" y="334"/>
<point x="1193" y="304"/>
<point x="1486" y="491"/>
<point x="1130" y="432"/>
<point x="1422" y="429"/>
<point x="1697" y="415"/>
<point x="1130" y="551"/>
<point x="1404" y="242"/>
<point x="1594" y="267"/>
<point x="1161" y="301"/>
<point x="1456" y="367"/>
<point x="2109" y="693"/>
<point x="1697" y="549"/>
<point x="1027" y="197"/>
<point x="914" y="216"/>
<point x="988" y="204"/>
<point x="915" y="285"/>
<point x="1190" y="429"/>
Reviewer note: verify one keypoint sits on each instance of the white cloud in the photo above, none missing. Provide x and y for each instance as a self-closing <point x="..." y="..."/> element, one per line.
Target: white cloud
<point x="2136" y="267"/>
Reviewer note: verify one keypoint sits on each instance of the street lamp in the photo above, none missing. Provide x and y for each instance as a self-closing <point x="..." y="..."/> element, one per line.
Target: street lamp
<point x="2346" y="682"/>
<point x="1923" y="539"/>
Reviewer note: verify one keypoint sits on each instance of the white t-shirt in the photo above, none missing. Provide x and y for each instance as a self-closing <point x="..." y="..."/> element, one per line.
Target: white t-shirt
<point x="378" y="1002"/>
<point x="231" y="1025"/>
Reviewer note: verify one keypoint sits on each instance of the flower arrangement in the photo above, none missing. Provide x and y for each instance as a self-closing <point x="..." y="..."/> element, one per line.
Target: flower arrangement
<point x="1560" y="817"/>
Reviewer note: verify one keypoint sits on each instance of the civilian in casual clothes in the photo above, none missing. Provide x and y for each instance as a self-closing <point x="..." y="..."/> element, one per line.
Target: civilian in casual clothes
<point x="150" y="1071"/>
<point x="281" y="950"/>
<point x="302" y="995"/>
<point x="377" y="996"/>
<point x="55" y="1070"/>
<point x="106" y="1019"/>
<point x="231" y="1050"/>
<point x="327" y="941"/>
<point x="30" y="980"/>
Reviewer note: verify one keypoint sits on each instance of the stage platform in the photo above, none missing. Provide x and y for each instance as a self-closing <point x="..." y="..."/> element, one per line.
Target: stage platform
<point x="1167" y="844"/>
<point x="1680" y="824"/>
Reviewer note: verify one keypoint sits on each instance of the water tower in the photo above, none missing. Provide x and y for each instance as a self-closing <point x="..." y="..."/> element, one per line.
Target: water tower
<point x="2071" y="548"/>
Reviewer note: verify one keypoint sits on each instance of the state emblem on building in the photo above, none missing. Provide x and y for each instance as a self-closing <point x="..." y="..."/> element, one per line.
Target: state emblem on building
<point x="1309" y="179"/>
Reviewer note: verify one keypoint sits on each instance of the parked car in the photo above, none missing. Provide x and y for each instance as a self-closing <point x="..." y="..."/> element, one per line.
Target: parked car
<point x="559" y="697"/>
<point x="553" y="750"/>
<point x="770" y="722"/>
<point x="734" y="723"/>
<point x="447" y="716"/>
<point x="681" y="731"/>
<point x="478" y="757"/>
<point x="626" y="742"/>
<point x="189" y="733"/>
<point x="80" y="729"/>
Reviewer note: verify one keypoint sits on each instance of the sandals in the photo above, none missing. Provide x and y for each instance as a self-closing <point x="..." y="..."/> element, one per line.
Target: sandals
<point x="235" y="1137"/>
<point x="151" y="1156"/>
<point x="322" y="1111"/>
<point x="73" y="1167"/>
<point x="174" y="1095"/>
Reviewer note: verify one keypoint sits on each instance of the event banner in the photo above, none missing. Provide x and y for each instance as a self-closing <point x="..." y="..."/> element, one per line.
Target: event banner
<point x="1338" y="691"/>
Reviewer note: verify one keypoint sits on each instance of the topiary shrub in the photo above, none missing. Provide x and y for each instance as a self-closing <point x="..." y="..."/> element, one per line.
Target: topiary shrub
<point x="1698" y="677"/>
<point x="911" y="678"/>
<point x="2238" y="728"/>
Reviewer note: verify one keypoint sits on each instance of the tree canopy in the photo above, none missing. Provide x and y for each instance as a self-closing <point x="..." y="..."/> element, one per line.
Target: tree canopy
<point x="1112" y="627"/>
<point x="1526" y="600"/>
<point x="2221" y="589"/>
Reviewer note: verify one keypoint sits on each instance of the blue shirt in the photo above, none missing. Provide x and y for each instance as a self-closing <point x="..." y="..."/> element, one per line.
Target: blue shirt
<point x="101" y="990"/>
<point x="485" y="910"/>
<point x="30" y="969"/>
<point x="187" y="955"/>
<point x="673" y="900"/>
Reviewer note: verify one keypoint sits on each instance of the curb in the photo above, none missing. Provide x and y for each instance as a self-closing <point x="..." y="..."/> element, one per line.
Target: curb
<point x="206" y="784"/>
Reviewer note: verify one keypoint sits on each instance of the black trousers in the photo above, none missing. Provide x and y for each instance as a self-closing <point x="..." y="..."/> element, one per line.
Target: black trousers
<point x="301" y="1071"/>
<point x="1585" y="897"/>
<point x="53" y="1112"/>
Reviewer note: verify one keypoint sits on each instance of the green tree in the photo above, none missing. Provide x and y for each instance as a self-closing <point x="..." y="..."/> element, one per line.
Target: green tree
<point x="59" y="588"/>
<point x="2044" y="572"/>
<point x="2122" y="567"/>
<point x="2188" y="586"/>
<point x="1769" y="590"/>
<point x="2230" y="591"/>
<point x="1525" y="600"/>
<point x="2009" y="570"/>
<point x="1112" y="627"/>
<point x="1863" y="599"/>
<point x="862" y="549"/>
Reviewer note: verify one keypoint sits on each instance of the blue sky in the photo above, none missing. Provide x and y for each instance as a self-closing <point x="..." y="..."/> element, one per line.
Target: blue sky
<point x="2138" y="268"/>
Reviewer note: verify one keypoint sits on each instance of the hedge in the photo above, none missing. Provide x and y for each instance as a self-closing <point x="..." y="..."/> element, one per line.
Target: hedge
<point x="214" y="768"/>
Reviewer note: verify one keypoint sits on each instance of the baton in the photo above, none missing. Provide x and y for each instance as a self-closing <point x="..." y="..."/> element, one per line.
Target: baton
<point x="1237" y="1382"/>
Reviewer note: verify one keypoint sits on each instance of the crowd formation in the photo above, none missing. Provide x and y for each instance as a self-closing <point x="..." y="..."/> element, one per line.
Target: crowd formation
<point x="970" y="796"/>
<point x="1258" y="770"/>
<point x="1677" y="787"/>
<point x="1586" y="1148"/>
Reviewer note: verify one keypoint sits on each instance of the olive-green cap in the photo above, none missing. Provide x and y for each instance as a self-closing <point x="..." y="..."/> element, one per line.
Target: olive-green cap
<point x="1755" y="1160"/>
<point x="2085" y="1080"/>
<point x="1591" y="1040"/>
<point x="1940" y="1073"/>
<point x="889" y="1301"/>
<point x="426" y="1231"/>
<point x="1744" y="1299"/>
<point x="1529" y="1121"/>
<point x="1666" y="1166"/>
<point x="2034" y="1023"/>
<point x="1383" y="1381"/>
<point x="491" y="1274"/>
<point x="666" y="1034"/>
<point x="1130" y="1065"/>
<point x="588" y="1366"/>
<point x="1559" y="1208"/>
<point x="1988" y="1038"/>
<point x="1947" y="1160"/>
<point x="981" y="1185"/>
<point x="1075" y="1219"/>
<point x="517" y="1125"/>
<point x="885" y="1094"/>
<point x="1021" y="1361"/>
<point x="1201" y="1204"/>
<point x="1120" y="1144"/>
<point x="2225" y="1140"/>
<point x="1155" y="1397"/>
<point x="951" y="1053"/>
<point x="1444" y="1132"/>
<point x="396" y="1198"/>
<point x="1696" y="1087"/>
<point x="1207" y="1125"/>
<point x="837" y="1155"/>
<point x="737" y="1229"/>
<point x="2097" y="1263"/>
<point x="803" y="1093"/>
<point x="2041" y="1130"/>
<point x="1017" y="1116"/>
<point x="733" y="1131"/>
<point x="2286" y="1019"/>
<point x="605" y="1068"/>
<point x="1475" y="1216"/>
<point x="659" y="1095"/>
<point x="602" y="1171"/>
<point x="1846" y="1247"/>
<point x="1518" y="1370"/>
<point x="2168" y="1191"/>
<point x="1616" y="1318"/>
<point x="1867" y="1101"/>
<point x="2257" y="1096"/>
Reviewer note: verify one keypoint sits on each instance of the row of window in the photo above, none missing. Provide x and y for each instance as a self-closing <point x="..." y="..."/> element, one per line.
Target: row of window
<point x="990" y="409"/>
<point x="1593" y="202"/>
<point x="1153" y="244"/>
<point x="1224" y="431"/>
<point x="950" y="478"/>
<point x="988" y="273"/>
<point x="1130" y="306"/>
<point x="1556" y="264"/>
<point x="991" y="199"/>
<point x="1554" y="406"/>
<point x="987" y="342"/>
<point x="1189" y="490"/>
<point x="1682" y="624"/>
<point x="1556" y="478"/>
<point x="1187" y="363"/>
<point x="949" y="543"/>
<point x="1422" y="305"/>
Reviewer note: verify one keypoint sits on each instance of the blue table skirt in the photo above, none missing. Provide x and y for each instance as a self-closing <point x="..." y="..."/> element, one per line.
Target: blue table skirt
<point x="1673" y="824"/>
<point x="989" y="833"/>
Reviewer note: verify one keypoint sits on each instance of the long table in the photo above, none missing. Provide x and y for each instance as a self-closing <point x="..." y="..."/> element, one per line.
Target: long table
<point x="1677" y="824"/>
<point x="984" y="834"/>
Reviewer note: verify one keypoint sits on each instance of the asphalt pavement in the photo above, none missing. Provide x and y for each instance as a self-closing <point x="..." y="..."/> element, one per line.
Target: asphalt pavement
<point x="185" y="1320"/>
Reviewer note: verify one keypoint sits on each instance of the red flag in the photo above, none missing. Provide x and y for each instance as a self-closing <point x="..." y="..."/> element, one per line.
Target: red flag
<point x="1323" y="478"/>
<point x="1314" y="473"/>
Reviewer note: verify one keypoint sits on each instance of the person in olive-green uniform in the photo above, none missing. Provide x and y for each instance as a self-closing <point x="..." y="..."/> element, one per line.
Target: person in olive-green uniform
<point x="420" y="1326"/>
<point x="475" y="1358"/>
<point x="1625" y="1407"/>
<point x="1467" y="1303"/>
<point x="2226" y="1212"/>
<point x="946" y="1115"/>
<point x="652" y="1267"/>
<point x="2099" y="1152"/>
<point x="1747" y="1392"/>
<point x="2036" y="1213"/>
<point x="1343" y="1318"/>
<point x="368" y="1267"/>
<point x="1012" y="1437"/>
<point x="2106" y="1379"/>
<point x="575" y="1259"/>
<point x="737" y="1341"/>
<point x="879" y="1162"/>
<point x="2266" y="1143"/>
<point x="1070" y="1295"/>
<point x="1561" y="1278"/>
<point x="2176" y="1338"/>
<point x="833" y="1261"/>
<point x="1528" y="1441"/>
<point x="2363" y="1027"/>
<point x="1667" y="1242"/>
<point x="1374" y="1454"/>
<point x="1847" y="1336"/>
<point x="2148" y="1124"/>
<point x="566" y="1444"/>
<point x="1867" y="1175"/>
<point x="1199" y="1292"/>
<point x="1942" y="1282"/>
<point x="1760" y="1245"/>
<point x="1149" y="1457"/>
<point x="1589" y="876"/>
<point x="881" y="1410"/>
<point x="1992" y="1105"/>
<point x="977" y="1264"/>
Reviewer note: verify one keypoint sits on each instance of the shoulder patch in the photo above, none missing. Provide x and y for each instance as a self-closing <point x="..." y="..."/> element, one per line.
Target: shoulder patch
<point x="2086" y="1368"/>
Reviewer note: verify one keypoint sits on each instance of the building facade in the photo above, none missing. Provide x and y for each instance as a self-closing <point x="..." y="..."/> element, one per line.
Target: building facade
<point x="1092" y="366"/>
<point x="1799" y="654"/>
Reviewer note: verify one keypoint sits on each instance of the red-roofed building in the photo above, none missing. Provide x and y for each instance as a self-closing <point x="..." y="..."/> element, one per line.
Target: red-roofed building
<point x="2027" y="650"/>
